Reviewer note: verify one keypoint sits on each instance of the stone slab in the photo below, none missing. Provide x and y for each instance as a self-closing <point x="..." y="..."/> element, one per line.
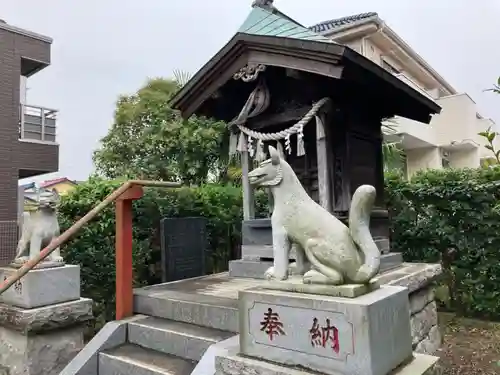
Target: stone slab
<point x="413" y="276"/>
<point x="42" y="287"/>
<point x="135" y="360"/>
<point x="295" y="285"/>
<point x="175" y="338"/>
<point x="42" y="354"/>
<point x="367" y="335"/>
<point x="47" y="318"/>
<point x="233" y="364"/>
<point x="249" y="268"/>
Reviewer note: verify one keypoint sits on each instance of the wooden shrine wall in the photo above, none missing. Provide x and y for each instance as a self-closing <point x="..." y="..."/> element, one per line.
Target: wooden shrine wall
<point x="306" y="167"/>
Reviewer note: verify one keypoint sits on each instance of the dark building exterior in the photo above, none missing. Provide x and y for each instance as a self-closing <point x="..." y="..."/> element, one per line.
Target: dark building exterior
<point x="27" y="133"/>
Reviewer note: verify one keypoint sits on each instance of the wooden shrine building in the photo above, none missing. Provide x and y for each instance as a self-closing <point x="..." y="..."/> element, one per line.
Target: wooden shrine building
<point x="271" y="74"/>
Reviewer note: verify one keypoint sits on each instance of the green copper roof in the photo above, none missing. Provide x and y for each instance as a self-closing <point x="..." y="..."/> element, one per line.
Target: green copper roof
<point x="262" y="21"/>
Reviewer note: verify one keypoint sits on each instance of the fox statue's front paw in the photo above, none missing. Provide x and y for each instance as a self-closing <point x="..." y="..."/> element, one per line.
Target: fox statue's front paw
<point x="21" y="260"/>
<point x="271" y="274"/>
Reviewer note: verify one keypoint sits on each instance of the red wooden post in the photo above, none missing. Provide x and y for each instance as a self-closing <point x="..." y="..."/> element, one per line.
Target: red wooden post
<point x="123" y="252"/>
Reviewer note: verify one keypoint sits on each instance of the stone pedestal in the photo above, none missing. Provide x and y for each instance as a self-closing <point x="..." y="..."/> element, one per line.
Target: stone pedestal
<point x="367" y="335"/>
<point x="42" y="287"/>
<point x="42" y="321"/>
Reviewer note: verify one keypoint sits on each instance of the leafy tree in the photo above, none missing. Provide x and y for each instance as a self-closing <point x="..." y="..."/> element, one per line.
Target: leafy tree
<point x="148" y="139"/>
<point x="393" y="153"/>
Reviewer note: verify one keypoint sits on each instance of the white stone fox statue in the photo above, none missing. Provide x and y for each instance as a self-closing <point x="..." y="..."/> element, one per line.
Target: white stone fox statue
<point x="328" y="252"/>
<point x="39" y="228"/>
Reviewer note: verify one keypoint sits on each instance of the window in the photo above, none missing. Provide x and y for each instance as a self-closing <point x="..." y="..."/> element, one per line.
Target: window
<point x="389" y="67"/>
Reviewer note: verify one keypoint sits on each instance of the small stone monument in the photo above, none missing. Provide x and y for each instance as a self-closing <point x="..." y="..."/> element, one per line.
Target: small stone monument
<point x="331" y="316"/>
<point x="42" y="314"/>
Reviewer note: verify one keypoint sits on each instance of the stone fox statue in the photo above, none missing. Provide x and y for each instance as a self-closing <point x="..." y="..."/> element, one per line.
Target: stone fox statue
<point x="39" y="228"/>
<point x="328" y="252"/>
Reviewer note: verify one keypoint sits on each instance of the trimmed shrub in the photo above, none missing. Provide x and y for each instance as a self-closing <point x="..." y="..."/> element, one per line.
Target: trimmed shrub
<point x="452" y="216"/>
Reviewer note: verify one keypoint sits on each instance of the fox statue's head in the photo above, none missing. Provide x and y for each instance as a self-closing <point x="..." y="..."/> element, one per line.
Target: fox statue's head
<point x="269" y="172"/>
<point x="48" y="199"/>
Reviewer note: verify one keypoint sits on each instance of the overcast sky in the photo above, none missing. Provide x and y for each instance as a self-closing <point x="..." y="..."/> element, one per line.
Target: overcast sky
<point x="108" y="47"/>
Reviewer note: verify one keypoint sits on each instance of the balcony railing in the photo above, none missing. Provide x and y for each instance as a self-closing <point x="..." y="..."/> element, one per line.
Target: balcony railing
<point x="37" y="123"/>
<point x="414" y="85"/>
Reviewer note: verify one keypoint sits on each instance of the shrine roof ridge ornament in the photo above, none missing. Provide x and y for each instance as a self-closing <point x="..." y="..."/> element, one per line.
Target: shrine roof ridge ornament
<point x="263" y="3"/>
<point x="268" y="20"/>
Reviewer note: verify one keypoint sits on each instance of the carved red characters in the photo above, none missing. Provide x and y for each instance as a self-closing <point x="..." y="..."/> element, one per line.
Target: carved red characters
<point x="321" y="336"/>
<point x="271" y="324"/>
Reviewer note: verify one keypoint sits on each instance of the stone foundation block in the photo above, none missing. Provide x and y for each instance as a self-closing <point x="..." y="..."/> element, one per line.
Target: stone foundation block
<point x="42" y="354"/>
<point x="41" y="341"/>
<point x="367" y="335"/>
<point x="423" y="321"/>
<point x="42" y="287"/>
<point x="232" y="364"/>
<point x="47" y="318"/>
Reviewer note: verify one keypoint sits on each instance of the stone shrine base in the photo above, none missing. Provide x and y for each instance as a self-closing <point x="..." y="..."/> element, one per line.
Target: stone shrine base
<point x="42" y="320"/>
<point x="233" y="364"/>
<point x="213" y="300"/>
<point x="42" y="340"/>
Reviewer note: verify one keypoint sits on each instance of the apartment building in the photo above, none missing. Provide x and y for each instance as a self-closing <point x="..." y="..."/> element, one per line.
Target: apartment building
<point x="28" y="145"/>
<point x="451" y="139"/>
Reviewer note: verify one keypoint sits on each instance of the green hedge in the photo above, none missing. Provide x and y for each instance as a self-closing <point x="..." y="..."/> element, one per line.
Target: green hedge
<point x="94" y="246"/>
<point x="452" y="216"/>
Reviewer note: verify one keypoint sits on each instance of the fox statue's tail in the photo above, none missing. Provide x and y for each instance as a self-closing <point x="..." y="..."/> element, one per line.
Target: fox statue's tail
<point x="359" y="227"/>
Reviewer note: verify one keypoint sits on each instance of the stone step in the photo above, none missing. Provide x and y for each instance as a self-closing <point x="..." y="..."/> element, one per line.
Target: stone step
<point x="135" y="360"/>
<point x="176" y="338"/>
<point x="255" y="269"/>
<point x="198" y="309"/>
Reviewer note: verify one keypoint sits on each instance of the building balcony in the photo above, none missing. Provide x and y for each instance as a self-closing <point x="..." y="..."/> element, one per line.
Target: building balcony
<point x="458" y="121"/>
<point x="412" y="134"/>
<point x="37" y="124"/>
<point x="455" y="127"/>
<point x="38" y="148"/>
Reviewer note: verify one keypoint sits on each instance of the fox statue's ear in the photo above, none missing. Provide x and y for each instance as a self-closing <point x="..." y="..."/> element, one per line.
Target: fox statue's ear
<point x="275" y="155"/>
